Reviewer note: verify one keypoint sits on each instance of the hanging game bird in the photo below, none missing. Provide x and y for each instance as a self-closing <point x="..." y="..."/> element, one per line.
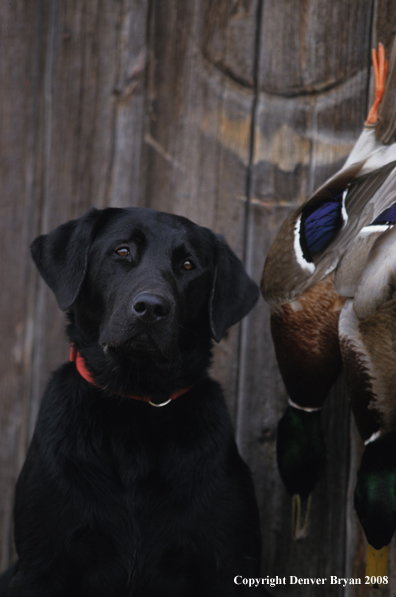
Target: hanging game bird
<point x="307" y="349"/>
<point x="337" y="254"/>
<point x="368" y="344"/>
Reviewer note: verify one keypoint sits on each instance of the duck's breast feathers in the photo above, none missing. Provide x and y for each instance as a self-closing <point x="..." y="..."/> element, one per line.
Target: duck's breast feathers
<point x="305" y="335"/>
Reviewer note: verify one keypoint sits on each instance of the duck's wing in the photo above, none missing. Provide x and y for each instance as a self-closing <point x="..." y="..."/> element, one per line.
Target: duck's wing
<point x="312" y="240"/>
<point x="377" y="284"/>
<point x="350" y="268"/>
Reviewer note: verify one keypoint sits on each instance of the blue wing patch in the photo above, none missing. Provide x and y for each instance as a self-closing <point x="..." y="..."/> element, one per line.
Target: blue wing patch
<point x="320" y="225"/>
<point x="388" y="216"/>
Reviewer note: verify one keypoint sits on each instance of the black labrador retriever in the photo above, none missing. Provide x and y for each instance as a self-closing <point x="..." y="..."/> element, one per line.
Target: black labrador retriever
<point x="133" y="485"/>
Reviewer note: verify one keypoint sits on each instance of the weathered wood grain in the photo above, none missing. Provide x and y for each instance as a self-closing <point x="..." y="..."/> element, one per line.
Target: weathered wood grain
<point x="198" y="131"/>
<point x="309" y="47"/>
<point x="21" y="77"/>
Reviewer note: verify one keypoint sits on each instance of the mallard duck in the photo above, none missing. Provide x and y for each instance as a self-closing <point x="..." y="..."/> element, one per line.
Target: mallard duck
<point x="305" y="334"/>
<point x="367" y="331"/>
<point x="298" y="284"/>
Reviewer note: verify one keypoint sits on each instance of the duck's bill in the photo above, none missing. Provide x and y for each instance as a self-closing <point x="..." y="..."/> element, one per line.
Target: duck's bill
<point x="377" y="564"/>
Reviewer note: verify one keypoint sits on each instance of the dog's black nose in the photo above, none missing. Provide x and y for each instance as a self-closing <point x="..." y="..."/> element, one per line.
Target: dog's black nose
<point x="151" y="307"/>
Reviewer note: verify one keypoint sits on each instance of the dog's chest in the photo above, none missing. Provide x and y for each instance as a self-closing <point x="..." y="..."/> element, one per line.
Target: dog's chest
<point x="149" y="520"/>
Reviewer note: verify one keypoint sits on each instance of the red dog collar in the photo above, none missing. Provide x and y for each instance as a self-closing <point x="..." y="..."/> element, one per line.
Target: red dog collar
<point x="76" y="357"/>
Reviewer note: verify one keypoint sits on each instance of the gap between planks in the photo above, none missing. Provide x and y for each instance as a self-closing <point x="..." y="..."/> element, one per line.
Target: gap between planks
<point x="267" y="202"/>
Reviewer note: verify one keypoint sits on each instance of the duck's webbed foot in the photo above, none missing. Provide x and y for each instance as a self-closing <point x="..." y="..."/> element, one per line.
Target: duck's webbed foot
<point x="380" y="70"/>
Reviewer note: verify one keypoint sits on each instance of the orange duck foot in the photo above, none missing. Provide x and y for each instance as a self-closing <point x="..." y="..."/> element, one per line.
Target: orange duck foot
<point x="380" y="70"/>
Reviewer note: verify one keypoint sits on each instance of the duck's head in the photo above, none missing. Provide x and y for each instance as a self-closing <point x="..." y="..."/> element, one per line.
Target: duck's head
<point x="301" y="454"/>
<point x="301" y="451"/>
<point x="375" y="499"/>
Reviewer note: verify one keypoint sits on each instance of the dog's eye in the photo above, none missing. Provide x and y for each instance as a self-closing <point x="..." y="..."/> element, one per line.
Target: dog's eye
<point x="123" y="252"/>
<point x="188" y="264"/>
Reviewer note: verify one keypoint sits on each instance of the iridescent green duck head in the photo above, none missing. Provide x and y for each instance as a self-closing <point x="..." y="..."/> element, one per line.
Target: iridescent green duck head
<point x="375" y="491"/>
<point x="375" y="500"/>
<point x="301" y="454"/>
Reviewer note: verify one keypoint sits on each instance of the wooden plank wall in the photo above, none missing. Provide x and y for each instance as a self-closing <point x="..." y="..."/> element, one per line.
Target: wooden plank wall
<point x="229" y="112"/>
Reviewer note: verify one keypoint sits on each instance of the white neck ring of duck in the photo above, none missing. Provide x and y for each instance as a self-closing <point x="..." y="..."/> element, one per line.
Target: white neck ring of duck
<point x="307" y="409"/>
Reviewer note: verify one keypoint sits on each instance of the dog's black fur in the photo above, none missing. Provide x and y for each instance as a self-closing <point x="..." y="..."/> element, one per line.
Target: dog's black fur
<point x="117" y="497"/>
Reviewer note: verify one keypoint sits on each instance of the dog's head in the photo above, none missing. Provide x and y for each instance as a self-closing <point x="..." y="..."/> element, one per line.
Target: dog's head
<point x="140" y="282"/>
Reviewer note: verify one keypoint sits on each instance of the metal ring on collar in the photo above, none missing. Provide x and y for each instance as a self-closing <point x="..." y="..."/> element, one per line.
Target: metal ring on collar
<point x="159" y="405"/>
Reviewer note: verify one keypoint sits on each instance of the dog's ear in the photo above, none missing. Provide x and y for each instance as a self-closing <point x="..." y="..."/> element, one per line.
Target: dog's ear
<point x="233" y="295"/>
<point x="61" y="257"/>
